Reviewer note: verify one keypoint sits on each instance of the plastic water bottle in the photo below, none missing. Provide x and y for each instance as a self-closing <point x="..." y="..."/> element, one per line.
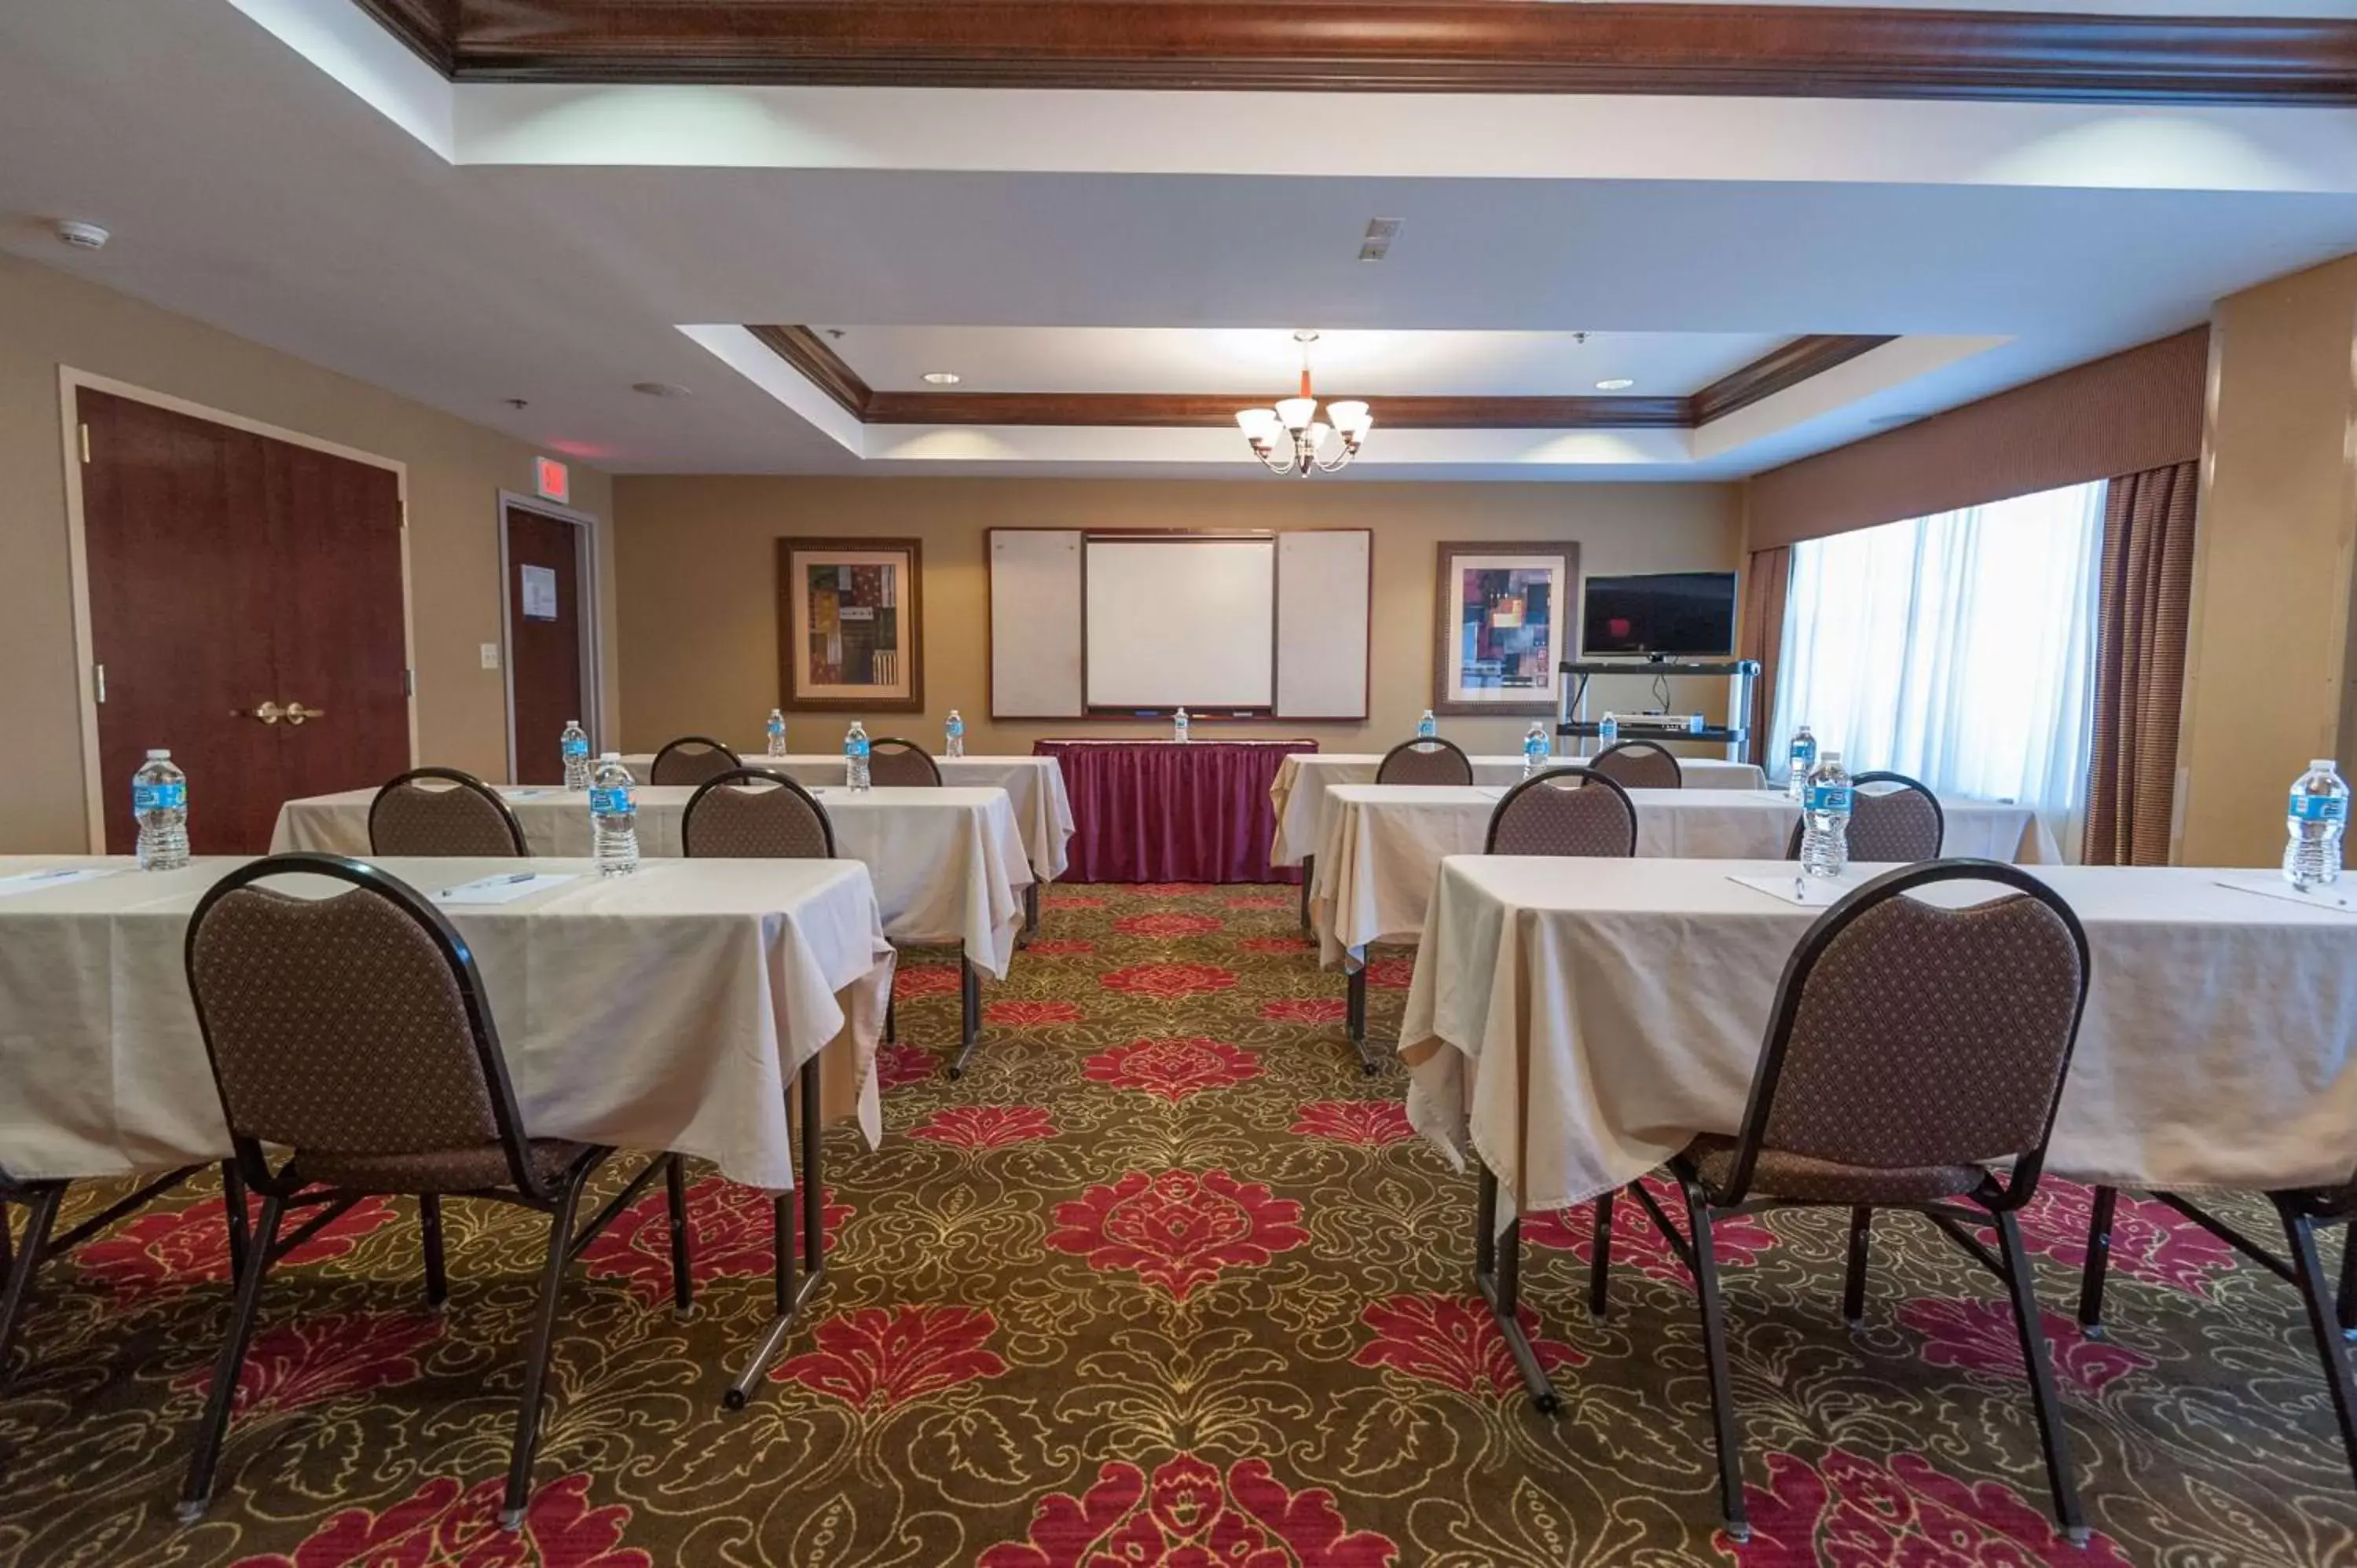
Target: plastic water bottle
<point x="1608" y="733"/>
<point x="1427" y="727"/>
<point x="1824" y="837"/>
<point x="1179" y="726"/>
<point x="573" y="744"/>
<point x="776" y="732"/>
<point x="159" y="804"/>
<point x="956" y="736"/>
<point x="1803" y="758"/>
<point x="2318" y="811"/>
<point x="1535" y="749"/>
<point x="613" y="817"/>
<point x="855" y="755"/>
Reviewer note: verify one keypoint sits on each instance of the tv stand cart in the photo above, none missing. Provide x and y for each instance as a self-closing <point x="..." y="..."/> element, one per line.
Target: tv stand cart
<point x="1571" y="714"/>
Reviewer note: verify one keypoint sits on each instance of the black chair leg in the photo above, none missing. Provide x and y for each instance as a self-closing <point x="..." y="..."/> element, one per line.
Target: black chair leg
<point x="2099" y="1261"/>
<point x="791" y="1298"/>
<point x="429" y="1236"/>
<point x="40" y="1220"/>
<point x="2308" y="1268"/>
<point x="892" y="1014"/>
<point x="1032" y="908"/>
<point x="537" y="1351"/>
<point x="1714" y="1350"/>
<point x="1308" y="870"/>
<point x="1599" y="1259"/>
<point x="234" y="1217"/>
<point x="2349" y="1282"/>
<point x="1355" y="1013"/>
<point x="1861" y="1227"/>
<point x="683" y="1240"/>
<point x="1497" y="1274"/>
<point x="2051" y="1433"/>
<point x="969" y="1014"/>
<point x="197" y="1491"/>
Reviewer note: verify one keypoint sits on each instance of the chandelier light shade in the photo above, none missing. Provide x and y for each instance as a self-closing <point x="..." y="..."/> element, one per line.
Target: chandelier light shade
<point x="1292" y="437"/>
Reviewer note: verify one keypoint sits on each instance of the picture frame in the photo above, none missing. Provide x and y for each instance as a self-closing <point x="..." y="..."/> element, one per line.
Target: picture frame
<point x="1503" y="624"/>
<point x="851" y="625"/>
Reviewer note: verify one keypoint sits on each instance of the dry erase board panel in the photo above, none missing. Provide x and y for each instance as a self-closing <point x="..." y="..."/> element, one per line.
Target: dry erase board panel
<point x="1035" y="623"/>
<point x="1324" y="580"/>
<point x="1181" y="619"/>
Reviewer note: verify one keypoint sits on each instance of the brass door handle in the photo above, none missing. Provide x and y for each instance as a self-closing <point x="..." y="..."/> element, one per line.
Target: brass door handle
<point x="296" y="713"/>
<point x="268" y="712"/>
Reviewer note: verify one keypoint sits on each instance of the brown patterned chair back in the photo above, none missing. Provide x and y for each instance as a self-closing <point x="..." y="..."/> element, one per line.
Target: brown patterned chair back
<point x="1565" y="812"/>
<point x="350" y="1026"/>
<point x="1907" y="1036"/>
<point x="691" y="759"/>
<point x="442" y="811"/>
<point x="1639" y="765"/>
<point x="895" y="764"/>
<point x="752" y="813"/>
<point x="1428" y="759"/>
<point x="1902" y="822"/>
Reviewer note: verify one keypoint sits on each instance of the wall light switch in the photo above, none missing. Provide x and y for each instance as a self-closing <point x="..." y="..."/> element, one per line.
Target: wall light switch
<point x="491" y="656"/>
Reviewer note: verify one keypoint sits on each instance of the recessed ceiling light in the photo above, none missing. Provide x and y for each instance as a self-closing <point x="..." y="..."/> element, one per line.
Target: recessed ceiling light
<point x="1617" y="383"/>
<point x="659" y="388"/>
<point x="942" y="378"/>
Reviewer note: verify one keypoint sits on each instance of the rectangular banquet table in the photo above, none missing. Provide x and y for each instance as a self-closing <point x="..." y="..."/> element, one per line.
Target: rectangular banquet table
<point x="1298" y="794"/>
<point x="1156" y="810"/>
<point x="669" y="1009"/>
<point x="948" y="864"/>
<point x="2219" y="1046"/>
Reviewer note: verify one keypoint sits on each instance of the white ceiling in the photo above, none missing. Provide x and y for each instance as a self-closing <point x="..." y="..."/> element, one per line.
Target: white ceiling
<point x="253" y="190"/>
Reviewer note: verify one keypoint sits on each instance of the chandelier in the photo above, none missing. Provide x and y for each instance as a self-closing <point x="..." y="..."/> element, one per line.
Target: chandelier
<point x="1290" y="438"/>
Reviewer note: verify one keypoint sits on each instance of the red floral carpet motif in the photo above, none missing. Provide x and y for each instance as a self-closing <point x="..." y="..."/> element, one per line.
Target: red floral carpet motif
<point x="1170" y="981"/>
<point x="1637" y="1244"/>
<point x="1390" y="973"/>
<point x="918" y="980"/>
<point x="1039" y="947"/>
<point x="1370" y="1122"/>
<point x="1168" y="926"/>
<point x="1274" y="944"/>
<point x="303" y="1360"/>
<point x="439" y="1527"/>
<point x="1304" y="1010"/>
<point x="1191" y="1515"/>
<point x="984" y="1126"/>
<point x="898" y="1062"/>
<point x="1455" y="1342"/>
<point x="1072" y="901"/>
<point x="1020" y="1014"/>
<point x="1166" y="890"/>
<point x="1173" y="1069"/>
<point x="731" y="1225"/>
<point x="1855" y="1513"/>
<point x="1978" y="1337"/>
<point x="881" y="1356"/>
<point x="1178" y="1230"/>
<point x="1260" y="901"/>
<point x="2150" y="1242"/>
<point x="190" y="1246"/>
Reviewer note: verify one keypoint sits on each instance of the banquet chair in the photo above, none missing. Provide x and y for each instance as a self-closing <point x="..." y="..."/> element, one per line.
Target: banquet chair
<point x="1428" y="759"/>
<point x="462" y="816"/>
<point x="1639" y="765"/>
<point x="1902" y="823"/>
<point x="902" y="764"/>
<point x="21" y="1262"/>
<point x="754" y="813"/>
<point x="691" y="759"/>
<point x="352" y="1033"/>
<point x="1913" y="1058"/>
<point x="1564" y="812"/>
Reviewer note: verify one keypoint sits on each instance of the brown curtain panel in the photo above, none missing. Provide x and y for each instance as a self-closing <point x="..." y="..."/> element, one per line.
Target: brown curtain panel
<point x="2147" y="588"/>
<point x="1766" y="578"/>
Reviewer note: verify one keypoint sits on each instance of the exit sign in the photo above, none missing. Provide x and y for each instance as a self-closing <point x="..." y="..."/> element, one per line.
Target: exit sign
<point x="550" y="478"/>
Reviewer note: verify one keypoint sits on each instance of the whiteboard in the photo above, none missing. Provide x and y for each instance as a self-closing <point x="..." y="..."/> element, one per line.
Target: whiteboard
<point x="1035" y="623"/>
<point x="1181" y="618"/>
<point x="1323" y="605"/>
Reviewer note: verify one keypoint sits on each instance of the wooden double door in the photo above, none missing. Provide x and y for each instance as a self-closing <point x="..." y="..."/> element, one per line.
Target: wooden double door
<point x="247" y="612"/>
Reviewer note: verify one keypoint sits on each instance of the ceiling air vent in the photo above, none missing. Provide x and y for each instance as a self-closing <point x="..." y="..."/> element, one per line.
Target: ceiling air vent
<point x="1381" y="232"/>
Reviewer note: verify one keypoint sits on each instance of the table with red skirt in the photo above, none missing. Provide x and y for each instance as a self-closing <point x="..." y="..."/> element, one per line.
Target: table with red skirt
<point x="1159" y="811"/>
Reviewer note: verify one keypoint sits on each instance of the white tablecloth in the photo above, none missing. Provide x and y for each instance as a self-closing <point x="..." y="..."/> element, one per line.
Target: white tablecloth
<point x="1034" y="786"/>
<point x="2219" y="1046"/>
<point x="1381" y="845"/>
<point x="669" y="1009"/>
<point x="948" y="864"/>
<point x="1298" y="793"/>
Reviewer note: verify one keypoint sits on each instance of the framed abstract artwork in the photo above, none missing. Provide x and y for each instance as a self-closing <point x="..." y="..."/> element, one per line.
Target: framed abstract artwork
<point x="1505" y="625"/>
<point x="850" y="624"/>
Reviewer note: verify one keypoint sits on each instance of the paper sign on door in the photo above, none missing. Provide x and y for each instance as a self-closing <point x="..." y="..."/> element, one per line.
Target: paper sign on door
<point x="539" y="592"/>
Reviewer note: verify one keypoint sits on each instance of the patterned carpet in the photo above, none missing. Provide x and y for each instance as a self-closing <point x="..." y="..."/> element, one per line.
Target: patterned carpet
<point x="1164" y="1281"/>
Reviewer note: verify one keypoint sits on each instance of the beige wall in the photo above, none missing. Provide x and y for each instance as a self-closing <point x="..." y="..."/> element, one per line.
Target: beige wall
<point x="49" y="320"/>
<point x="2269" y="658"/>
<point x="696" y="559"/>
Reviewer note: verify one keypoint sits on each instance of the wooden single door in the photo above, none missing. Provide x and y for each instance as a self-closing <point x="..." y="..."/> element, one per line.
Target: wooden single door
<point x="544" y="638"/>
<point x="232" y="575"/>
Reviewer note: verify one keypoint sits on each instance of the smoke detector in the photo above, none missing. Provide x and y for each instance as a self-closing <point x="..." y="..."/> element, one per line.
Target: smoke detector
<point x="659" y="388"/>
<point x="82" y="236"/>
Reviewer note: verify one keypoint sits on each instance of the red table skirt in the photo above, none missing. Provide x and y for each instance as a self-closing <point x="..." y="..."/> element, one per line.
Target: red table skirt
<point x="1159" y="811"/>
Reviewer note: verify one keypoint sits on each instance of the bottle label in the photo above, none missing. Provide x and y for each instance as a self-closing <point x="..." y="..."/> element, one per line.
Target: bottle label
<point x="577" y="746"/>
<point x="1804" y="752"/>
<point x="160" y="797"/>
<point x="609" y="800"/>
<point x="1833" y="798"/>
<point x="2318" y="808"/>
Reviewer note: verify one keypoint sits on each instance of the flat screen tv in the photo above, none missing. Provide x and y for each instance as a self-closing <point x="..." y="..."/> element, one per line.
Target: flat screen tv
<point x="1687" y="615"/>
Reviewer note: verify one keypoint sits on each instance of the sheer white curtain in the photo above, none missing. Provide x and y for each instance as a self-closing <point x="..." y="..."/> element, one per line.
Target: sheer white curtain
<point x="1957" y="648"/>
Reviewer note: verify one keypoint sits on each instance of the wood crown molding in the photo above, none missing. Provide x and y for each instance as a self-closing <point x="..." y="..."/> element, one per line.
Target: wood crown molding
<point x="1396" y="46"/>
<point x="1772" y="372"/>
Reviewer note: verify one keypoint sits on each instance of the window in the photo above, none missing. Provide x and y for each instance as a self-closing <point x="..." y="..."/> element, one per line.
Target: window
<point x="1956" y="649"/>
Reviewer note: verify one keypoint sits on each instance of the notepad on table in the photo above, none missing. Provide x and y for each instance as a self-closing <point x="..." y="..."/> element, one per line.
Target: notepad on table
<point x="2332" y="897"/>
<point x="1808" y="892"/>
<point x="63" y="876"/>
<point x="503" y="889"/>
